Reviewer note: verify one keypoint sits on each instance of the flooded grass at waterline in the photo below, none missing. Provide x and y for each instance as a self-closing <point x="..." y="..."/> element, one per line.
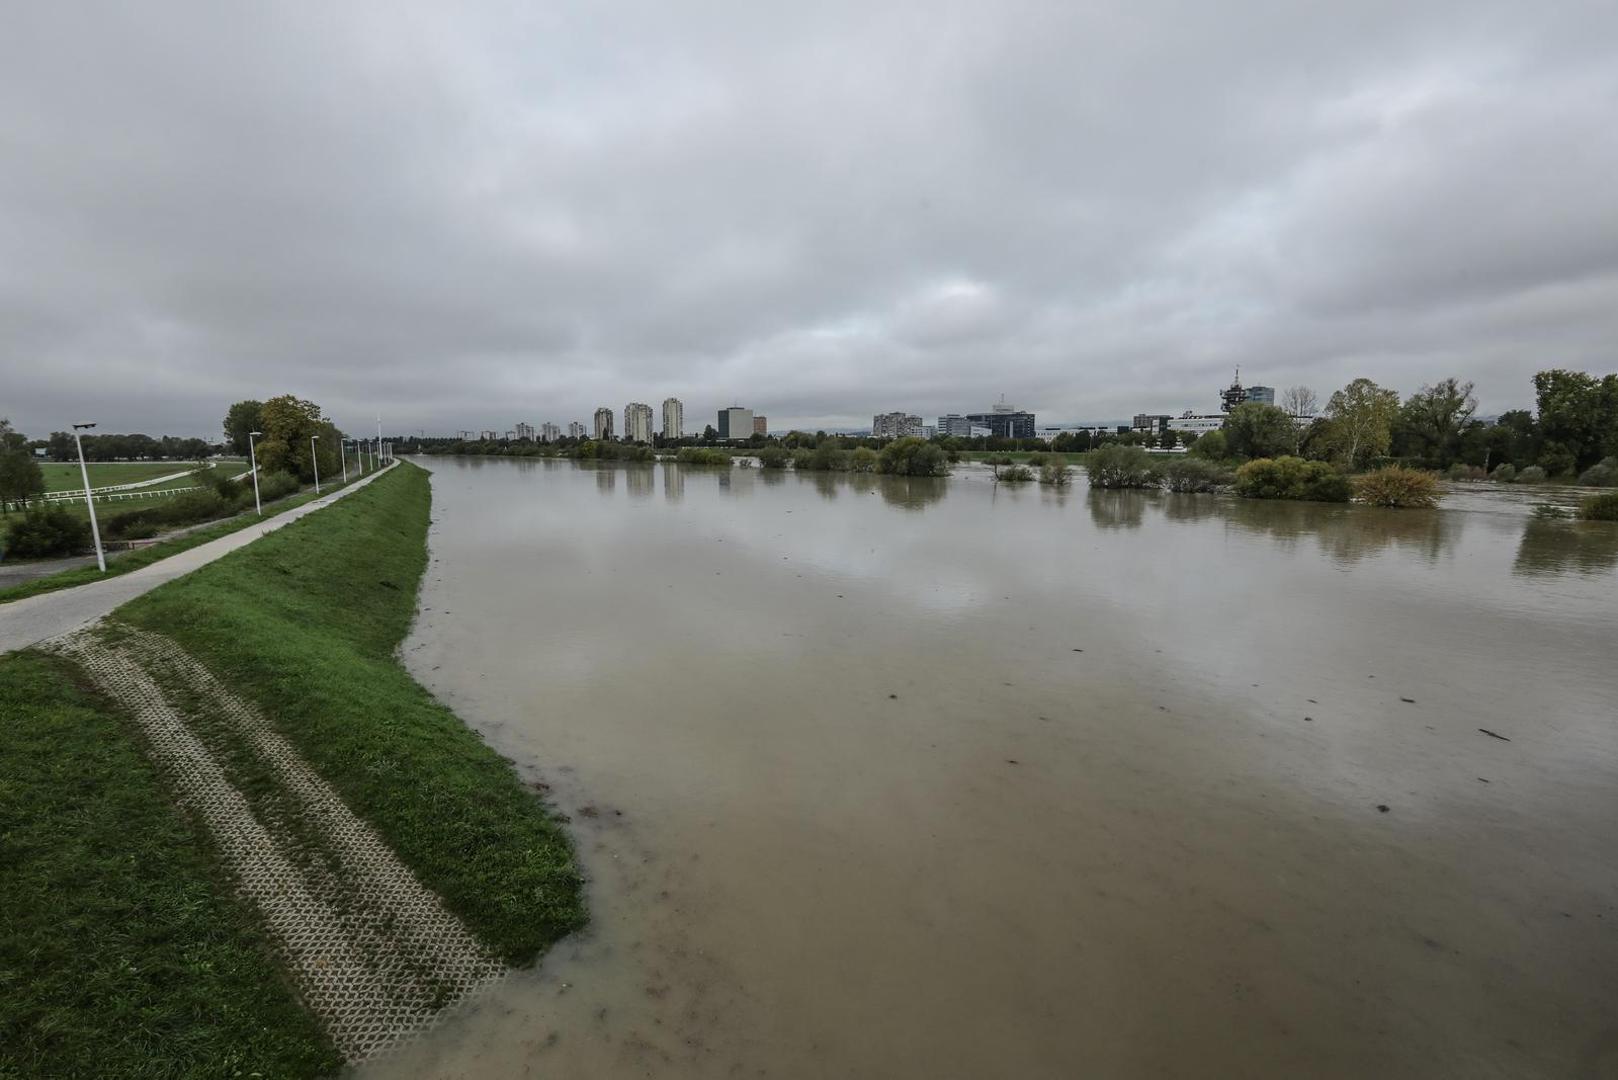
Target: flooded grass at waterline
<point x="938" y="778"/>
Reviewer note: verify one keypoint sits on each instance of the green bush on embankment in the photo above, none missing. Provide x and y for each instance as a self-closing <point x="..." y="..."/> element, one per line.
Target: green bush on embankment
<point x="123" y="953"/>
<point x="305" y="622"/>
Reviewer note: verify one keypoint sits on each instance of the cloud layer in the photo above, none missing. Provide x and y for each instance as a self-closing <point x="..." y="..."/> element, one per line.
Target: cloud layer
<point x="462" y="216"/>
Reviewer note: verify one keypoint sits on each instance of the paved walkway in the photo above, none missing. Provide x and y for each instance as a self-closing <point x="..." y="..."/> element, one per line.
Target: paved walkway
<point x="38" y="618"/>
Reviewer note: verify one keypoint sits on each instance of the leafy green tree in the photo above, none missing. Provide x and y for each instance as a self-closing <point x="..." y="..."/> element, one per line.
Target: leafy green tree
<point x="11" y="438"/>
<point x="1432" y="421"/>
<point x="1167" y="440"/>
<point x="21" y="479"/>
<point x="1257" y="430"/>
<point x="1361" y="416"/>
<point x="288" y="423"/>
<point x="1580" y="412"/>
<point x="1556" y="459"/>
<point x="913" y="457"/>
<point x="241" y="418"/>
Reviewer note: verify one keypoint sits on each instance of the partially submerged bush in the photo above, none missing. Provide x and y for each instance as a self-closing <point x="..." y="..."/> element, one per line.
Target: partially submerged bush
<point x="1551" y="512"/>
<point x="1056" y="472"/>
<point x="827" y="457"/>
<point x="1014" y="474"/>
<point x="913" y="457"/>
<point x="46" y="531"/>
<point x="701" y="455"/>
<point x="1397" y="486"/>
<point x="1602" y="474"/>
<point x="864" y="459"/>
<point x="1462" y="471"/>
<point x="1504" y="473"/>
<point x="1603" y="507"/>
<point x="1292" y="478"/>
<point x="1531" y="475"/>
<point x="1195" y="474"/>
<point x="773" y="457"/>
<point x="1120" y="467"/>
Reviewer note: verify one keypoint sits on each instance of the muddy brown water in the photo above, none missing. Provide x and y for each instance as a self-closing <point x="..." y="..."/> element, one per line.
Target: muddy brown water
<point x="887" y="778"/>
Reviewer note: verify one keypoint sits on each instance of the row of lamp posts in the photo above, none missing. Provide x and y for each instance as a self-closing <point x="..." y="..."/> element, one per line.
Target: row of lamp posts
<point x="383" y="454"/>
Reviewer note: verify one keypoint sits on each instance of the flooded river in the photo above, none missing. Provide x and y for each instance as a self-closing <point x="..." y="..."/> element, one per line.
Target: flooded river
<point x="922" y="779"/>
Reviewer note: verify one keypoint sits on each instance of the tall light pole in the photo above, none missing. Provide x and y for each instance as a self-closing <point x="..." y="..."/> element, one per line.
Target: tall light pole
<point x="314" y="461"/>
<point x="252" y="454"/>
<point x="342" y="452"/>
<point x="89" y="500"/>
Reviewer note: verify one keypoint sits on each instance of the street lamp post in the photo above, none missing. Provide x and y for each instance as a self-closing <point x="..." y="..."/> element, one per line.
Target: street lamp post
<point x="252" y="454"/>
<point x="342" y="452"/>
<point x="315" y="462"/>
<point x="89" y="500"/>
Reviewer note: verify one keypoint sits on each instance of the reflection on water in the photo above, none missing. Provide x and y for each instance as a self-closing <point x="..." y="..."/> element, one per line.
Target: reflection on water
<point x="943" y="778"/>
<point x="1558" y="547"/>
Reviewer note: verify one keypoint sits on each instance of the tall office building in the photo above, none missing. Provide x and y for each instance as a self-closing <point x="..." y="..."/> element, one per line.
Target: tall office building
<point x="603" y="423"/>
<point x="575" y="430"/>
<point x="761" y="425"/>
<point x="735" y="422"/>
<point x="894" y="425"/>
<point x="1264" y="395"/>
<point x="955" y="424"/>
<point x="1004" y="421"/>
<point x="673" y="418"/>
<point x="637" y="422"/>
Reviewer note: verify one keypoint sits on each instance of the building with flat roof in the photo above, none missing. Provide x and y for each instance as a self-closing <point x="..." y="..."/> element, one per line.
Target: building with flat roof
<point x="525" y="431"/>
<point x="549" y="432"/>
<point x="955" y="424"/>
<point x="637" y="422"/>
<point x="1004" y="421"/>
<point x="1263" y="395"/>
<point x="673" y="418"/>
<point x="895" y="425"/>
<point x="603" y="426"/>
<point x="736" y="423"/>
<point x="761" y="425"/>
<point x="1151" y="422"/>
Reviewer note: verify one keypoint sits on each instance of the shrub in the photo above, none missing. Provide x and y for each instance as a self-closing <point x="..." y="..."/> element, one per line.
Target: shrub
<point x="864" y="459"/>
<point x="1603" y="507"/>
<point x="1056" y="472"/>
<point x="133" y="524"/>
<point x="700" y="455"/>
<point x="1462" y="471"/>
<point x="773" y="457"/>
<point x="1195" y="474"/>
<point x="827" y="457"/>
<point x="1291" y="478"/>
<point x="1397" y="486"/>
<point x="275" y="485"/>
<point x="198" y="504"/>
<point x="1556" y="459"/>
<point x="1504" y="473"/>
<point x="1603" y="474"/>
<point x="45" y="532"/>
<point x="1531" y="475"/>
<point x="1120" y="467"/>
<point x="1211" y="445"/>
<point x="1014" y="474"/>
<point x="1551" y="512"/>
<point x="913" y="457"/>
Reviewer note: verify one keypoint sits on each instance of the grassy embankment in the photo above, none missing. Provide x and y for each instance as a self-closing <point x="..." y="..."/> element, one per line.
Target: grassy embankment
<point x="126" y="953"/>
<point x="124" y="562"/>
<point x="64" y="475"/>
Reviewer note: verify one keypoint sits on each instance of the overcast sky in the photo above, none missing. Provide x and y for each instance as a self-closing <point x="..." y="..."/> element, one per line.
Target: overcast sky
<point x="464" y="215"/>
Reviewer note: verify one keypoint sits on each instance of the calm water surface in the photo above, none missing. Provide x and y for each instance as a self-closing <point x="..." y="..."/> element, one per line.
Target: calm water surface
<point x="886" y="778"/>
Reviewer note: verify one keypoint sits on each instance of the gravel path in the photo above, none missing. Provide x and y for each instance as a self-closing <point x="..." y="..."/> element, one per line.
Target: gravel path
<point x="38" y="618"/>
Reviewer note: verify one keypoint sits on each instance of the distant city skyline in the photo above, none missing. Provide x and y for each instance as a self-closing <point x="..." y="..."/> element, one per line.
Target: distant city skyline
<point x="484" y="211"/>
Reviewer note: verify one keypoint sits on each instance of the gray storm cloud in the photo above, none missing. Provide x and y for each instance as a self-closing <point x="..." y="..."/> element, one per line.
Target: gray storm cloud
<point x="468" y="215"/>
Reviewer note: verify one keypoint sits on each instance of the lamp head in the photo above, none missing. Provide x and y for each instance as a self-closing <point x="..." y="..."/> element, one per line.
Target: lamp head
<point x="82" y="427"/>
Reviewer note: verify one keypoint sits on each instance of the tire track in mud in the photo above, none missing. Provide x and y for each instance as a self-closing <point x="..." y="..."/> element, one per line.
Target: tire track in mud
<point x="374" y="953"/>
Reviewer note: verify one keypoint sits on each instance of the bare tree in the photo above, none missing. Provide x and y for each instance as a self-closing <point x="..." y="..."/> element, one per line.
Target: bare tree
<point x="1300" y="401"/>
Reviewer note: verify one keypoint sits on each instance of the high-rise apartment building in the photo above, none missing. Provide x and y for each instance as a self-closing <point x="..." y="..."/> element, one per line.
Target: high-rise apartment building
<point x="603" y="423"/>
<point x="735" y="422"/>
<point x="549" y="432"/>
<point x="575" y="430"/>
<point x="524" y="431"/>
<point x="895" y="425"/>
<point x="761" y="425"/>
<point x="673" y="418"/>
<point x="637" y="422"/>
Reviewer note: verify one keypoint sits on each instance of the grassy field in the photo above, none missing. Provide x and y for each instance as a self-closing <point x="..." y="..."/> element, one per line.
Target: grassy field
<point x="305" y="623"/>
<point x="64" y="476"/>
<point x="123" y="952"/>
